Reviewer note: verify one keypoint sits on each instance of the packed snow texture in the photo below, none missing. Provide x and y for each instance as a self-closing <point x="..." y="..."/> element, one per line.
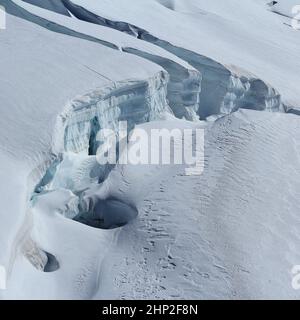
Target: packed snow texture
<point x="73" y="229"/>
<point x="284" y="7"/>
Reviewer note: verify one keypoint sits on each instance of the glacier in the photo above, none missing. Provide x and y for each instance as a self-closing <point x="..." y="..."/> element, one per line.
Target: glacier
<point x="74" y="229"/>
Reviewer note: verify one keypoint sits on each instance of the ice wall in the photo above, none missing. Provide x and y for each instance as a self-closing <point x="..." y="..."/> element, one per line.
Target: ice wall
<point x="132" y="101"/>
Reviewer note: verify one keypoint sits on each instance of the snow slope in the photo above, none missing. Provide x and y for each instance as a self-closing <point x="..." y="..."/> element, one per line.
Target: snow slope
<point x="72" y="229"/>
<point x="231" y="233"/>
<point x="53" y="5"/>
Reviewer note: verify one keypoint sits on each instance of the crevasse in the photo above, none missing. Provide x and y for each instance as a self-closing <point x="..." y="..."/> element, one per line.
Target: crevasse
<point x="74" y="167"/>
<point x="132" y="101"/>
<point x="223" y="90"/>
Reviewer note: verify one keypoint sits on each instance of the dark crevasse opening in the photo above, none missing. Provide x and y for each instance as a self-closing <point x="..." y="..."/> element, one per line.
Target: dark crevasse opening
<point x="52" y="263"/>
<point x="93" y="143"/>
<point x="110" y="213"/>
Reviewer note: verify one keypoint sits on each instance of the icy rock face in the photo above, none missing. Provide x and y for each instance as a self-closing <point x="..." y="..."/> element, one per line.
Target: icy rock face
<point x="132" y="101"/>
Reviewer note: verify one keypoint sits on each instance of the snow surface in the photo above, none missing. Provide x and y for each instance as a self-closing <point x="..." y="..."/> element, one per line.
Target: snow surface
<point x="285" y="7"/>
<point x="71" y="229"/>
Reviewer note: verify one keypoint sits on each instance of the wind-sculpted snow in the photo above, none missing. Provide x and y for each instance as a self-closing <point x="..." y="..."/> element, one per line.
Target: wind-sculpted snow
<point x="170" y="4"/>
<point x="237" y="235"/>
<point x="53" y="5"/>
<point x="18" y="11"/>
